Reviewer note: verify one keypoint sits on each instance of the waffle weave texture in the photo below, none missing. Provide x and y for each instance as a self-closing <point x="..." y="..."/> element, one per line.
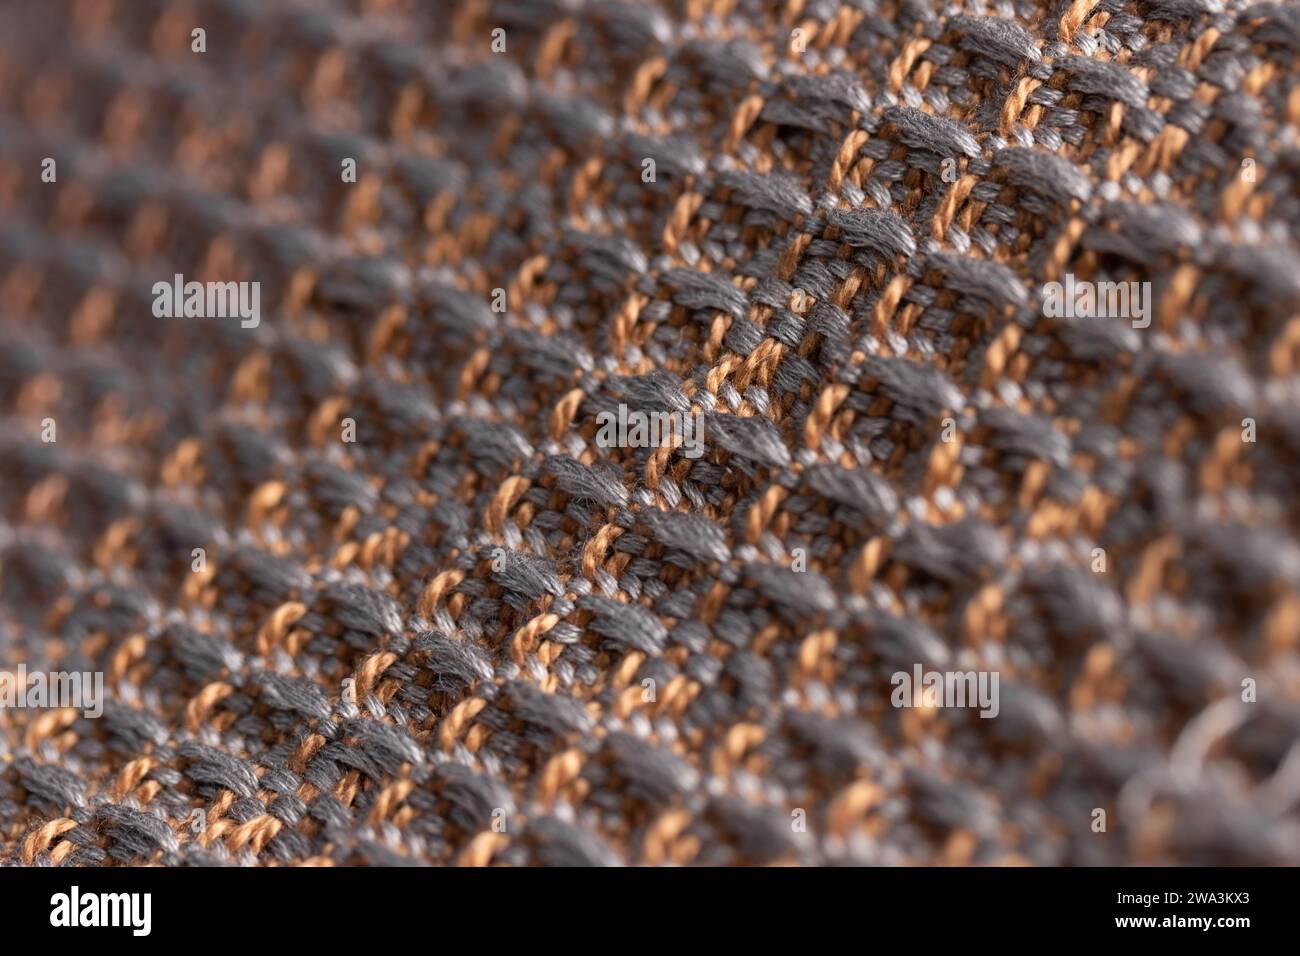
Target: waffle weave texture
<point x="475" y="635"/>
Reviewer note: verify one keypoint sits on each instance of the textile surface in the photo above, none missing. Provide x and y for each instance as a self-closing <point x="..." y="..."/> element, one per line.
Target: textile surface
<point x="368" y="583"/>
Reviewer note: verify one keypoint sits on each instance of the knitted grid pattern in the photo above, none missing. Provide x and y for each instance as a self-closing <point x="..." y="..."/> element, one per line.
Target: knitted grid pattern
<point x="475" y="635"/>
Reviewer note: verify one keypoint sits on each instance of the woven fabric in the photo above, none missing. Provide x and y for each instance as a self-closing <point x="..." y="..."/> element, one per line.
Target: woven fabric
<point x="366" y="585"/>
